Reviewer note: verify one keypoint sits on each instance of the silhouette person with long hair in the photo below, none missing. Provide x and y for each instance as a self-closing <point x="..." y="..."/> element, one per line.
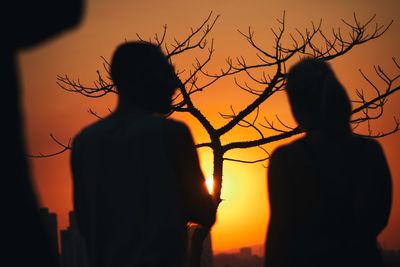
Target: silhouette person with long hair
<point x="330" y="191"/>
<point x="136" y="175"/>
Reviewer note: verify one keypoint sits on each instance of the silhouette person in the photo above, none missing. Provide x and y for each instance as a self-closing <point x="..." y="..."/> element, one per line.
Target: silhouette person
<point x="24" y="241"/>
<point x="329" y="191"/>
<point x="136" y="175"/>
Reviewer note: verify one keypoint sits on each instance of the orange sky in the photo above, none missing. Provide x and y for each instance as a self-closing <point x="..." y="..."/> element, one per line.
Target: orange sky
<point x="243" y="215"/>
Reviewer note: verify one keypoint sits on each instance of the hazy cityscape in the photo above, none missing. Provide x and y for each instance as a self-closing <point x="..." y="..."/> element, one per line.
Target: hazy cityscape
<point x="70" y="248"/>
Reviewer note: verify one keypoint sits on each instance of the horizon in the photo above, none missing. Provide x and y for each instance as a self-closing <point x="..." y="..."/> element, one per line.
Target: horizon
<point x="256" y="249"/>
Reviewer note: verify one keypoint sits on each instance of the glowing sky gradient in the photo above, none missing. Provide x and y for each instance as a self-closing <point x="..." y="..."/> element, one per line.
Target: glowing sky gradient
<point x="244" y="213"/>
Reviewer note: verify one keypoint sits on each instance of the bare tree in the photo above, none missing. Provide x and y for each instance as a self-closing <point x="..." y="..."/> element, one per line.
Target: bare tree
<point x="262" y="78"/>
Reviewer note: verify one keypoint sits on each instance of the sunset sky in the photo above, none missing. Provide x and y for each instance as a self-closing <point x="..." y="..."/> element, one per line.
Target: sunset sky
<point x="244" y="213"/>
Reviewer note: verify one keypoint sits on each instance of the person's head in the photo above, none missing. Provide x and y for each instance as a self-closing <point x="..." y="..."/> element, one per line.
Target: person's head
<point x="143" y="76"/>
<point x="318" y="100"/>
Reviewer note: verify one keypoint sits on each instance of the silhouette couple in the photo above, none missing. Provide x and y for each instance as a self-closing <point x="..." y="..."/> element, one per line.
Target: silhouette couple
<point x="137" y="180"/>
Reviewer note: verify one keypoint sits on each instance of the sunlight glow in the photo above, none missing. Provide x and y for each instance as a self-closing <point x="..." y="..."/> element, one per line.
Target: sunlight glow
<point x="210" y="184"/>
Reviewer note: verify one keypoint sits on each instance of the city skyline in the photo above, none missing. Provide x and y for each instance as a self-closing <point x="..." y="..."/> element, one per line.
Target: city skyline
<point x="249" y="256"/>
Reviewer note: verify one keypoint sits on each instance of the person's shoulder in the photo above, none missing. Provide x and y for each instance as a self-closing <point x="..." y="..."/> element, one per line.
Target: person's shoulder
<point x="177" y="127"/>
<point x="281" y="152"/>
<point x="175" y="123"/>
<point x="290" y="152"/>
<point x="80" y="137"/>
<point x="289" y="148"/>
<point x="88" y="131"/>
<point x="366" y="143"/>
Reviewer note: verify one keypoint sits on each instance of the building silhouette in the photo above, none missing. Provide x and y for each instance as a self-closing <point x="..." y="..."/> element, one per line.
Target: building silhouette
<point x="245" y="252"/>
<point x="72" y="252"/>
<point x="73" y="249"/>
<point x="50" y="222"/>
<point x="244" y="258"/>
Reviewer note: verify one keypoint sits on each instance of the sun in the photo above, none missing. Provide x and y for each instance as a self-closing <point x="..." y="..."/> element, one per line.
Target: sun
<point x="210" y="184"/>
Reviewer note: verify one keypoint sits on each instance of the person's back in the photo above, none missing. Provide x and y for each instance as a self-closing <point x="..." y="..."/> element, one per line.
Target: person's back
<point x="334" y="201"/>
<point x="133" y="193"/>
<point x="330" y="191"/>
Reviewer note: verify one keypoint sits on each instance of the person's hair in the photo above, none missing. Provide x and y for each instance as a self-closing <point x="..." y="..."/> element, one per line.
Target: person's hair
<point x="143" y="76"/>
<point x="318" y="100"/>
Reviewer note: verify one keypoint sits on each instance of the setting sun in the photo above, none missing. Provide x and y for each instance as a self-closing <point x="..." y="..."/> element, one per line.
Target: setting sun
<point x="210" y="184"/>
